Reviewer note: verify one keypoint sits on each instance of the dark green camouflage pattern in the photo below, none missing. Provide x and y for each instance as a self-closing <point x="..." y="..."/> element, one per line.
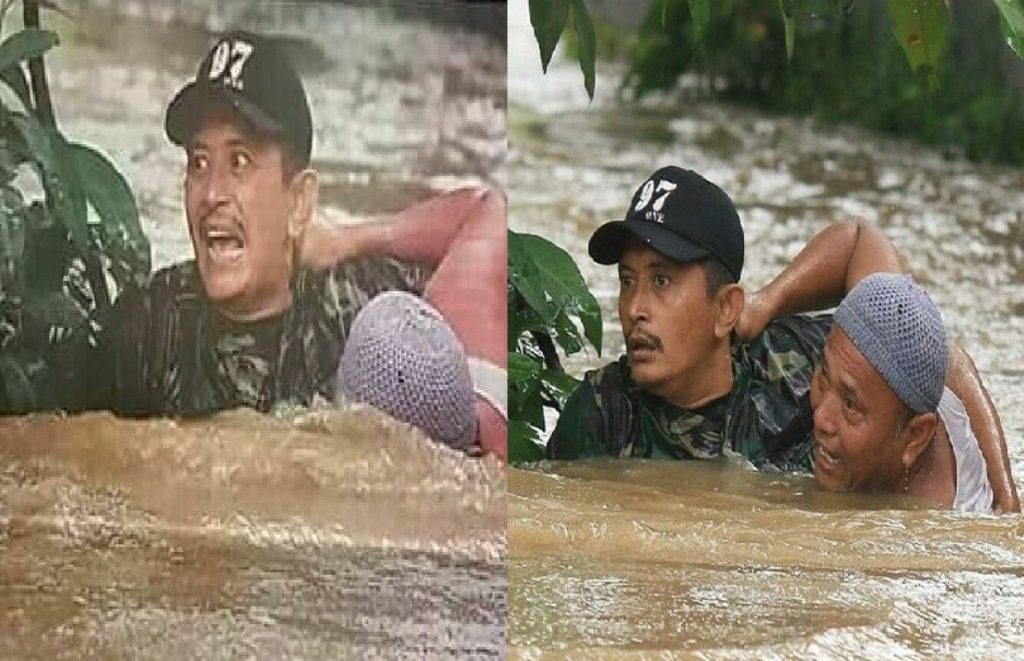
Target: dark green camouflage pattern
<point x="766" y="417"/>
<point x="166" y="350"/>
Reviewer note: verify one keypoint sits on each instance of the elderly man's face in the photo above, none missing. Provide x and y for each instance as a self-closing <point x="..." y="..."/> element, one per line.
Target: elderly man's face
<point x="667" y="319"/>
<point x="858" y="422"/>
<point x="238" y="203"/>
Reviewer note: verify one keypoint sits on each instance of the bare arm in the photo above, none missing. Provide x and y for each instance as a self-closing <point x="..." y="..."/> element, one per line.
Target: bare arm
<point x="964" y="380"/>
<point x="425" y="232"/>
<point x="830" y="265"/>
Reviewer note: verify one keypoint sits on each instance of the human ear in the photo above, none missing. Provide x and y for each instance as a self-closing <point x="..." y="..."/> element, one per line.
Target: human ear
<point x="303" y="191"/>
<point x="916" y="436"/>
<point x="729" y="303"/>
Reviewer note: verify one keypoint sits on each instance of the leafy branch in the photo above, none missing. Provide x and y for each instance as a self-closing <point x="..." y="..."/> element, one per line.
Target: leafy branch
<point x="546" y="294"/>
<point x="57" y="255"/>
<point x="920" y="26"/>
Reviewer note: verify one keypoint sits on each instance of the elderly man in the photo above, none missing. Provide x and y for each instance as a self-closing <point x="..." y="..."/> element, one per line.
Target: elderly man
<point x="883" y="418"/>
<point x="262" y="313"/>
<point x="686" y="388"/>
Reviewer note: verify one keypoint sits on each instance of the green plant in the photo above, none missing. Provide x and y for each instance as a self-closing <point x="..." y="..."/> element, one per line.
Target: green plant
<point x="921" y="27"/>
<point x="546" y="294"/>
<point x="69" y="225"/>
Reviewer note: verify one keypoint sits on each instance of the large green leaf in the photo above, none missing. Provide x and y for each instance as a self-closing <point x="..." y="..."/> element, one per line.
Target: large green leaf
<point x="49" y="152"/>
<point x="1011" y="19"/>
<point x="566" y="334"/>
<point x="562" y="282"/>
<point x="526" y="278"/>
<point x="25" y="44"/>
<point x="523" y="443"/>
<point x="700" y="11"/>
<point x="922" y="28"/>
<point x="106" y="190"/>
<point x="587" y="44"/>
<point x="521" y="319"/>
<point x="521" y="370"/>
<point x="548" y="18"/>
<point x="14" y="76"/>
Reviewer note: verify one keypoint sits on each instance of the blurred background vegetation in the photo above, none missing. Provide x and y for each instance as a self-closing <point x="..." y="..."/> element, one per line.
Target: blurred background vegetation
<point x="846" y="66"/>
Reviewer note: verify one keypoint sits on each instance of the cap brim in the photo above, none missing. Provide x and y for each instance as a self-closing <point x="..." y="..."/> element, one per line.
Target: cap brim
<point x="608" y="242"/>
<point x="194" y="101"/>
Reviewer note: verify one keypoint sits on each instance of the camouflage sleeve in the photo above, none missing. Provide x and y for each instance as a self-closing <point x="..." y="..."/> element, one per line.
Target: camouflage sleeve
<point x="789" y="350"/>
<point x="344" y="289"/>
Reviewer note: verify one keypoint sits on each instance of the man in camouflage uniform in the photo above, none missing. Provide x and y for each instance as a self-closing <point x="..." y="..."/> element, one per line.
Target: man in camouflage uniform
<point x="708" y="369"/>
<point x="681" y="243"/>
<point x="246" y="323"/>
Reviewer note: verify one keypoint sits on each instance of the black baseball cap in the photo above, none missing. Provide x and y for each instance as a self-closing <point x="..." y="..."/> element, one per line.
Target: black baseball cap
<point x="681" y="215"/>
<point x="251" y="74"/>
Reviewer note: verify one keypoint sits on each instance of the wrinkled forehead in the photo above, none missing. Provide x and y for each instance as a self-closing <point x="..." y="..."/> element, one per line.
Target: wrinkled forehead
<point x="852" y="369"/>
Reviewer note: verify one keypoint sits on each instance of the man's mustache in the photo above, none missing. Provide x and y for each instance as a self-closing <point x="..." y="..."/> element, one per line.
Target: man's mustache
<point x="640" y="339"/>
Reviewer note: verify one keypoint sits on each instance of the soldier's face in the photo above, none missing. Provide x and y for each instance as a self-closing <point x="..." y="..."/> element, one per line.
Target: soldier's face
<point x="858" y="422"/>
<point x="238" y="203"/>
<point x="668" y="321"/>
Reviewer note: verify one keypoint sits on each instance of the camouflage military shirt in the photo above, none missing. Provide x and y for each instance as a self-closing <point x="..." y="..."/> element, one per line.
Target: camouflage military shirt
<point x="166" y="350"/>
<point x="766" y="417"/>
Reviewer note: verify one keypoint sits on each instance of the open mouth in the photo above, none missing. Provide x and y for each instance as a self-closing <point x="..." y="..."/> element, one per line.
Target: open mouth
<point x="224" y="242"/>
<point x="825" y="458"/>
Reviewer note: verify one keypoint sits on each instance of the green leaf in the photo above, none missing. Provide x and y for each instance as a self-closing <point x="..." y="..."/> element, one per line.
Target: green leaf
<point x="109" y="194"/>
<point x="548" y="18"/>
<point x="526" y="278"/>
<point x="14" y="76"/>
<point x="47" y="150"/>
<point x="1011" y="19"/>
<point x="566" y="334"/>
<point x="523" y="443"/>
<point x="26" y="44"/>
<point x="922" y="28"/>
<point x="558" y="385"/>
<point x="587" y="42"/>
<point x="521" y="370"/>
<point x="65" y="193"/>
<point x="525" y="402"/>
<point x="561" y="280"/>
<point x="521" y="319"/>
<point x="700" y="11"/>
<point x="790" y="25"/>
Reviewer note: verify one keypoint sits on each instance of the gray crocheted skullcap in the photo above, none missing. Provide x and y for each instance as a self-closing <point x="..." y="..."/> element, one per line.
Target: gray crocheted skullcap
<point x="403" y="358"/>
<point x="898" y="329"/>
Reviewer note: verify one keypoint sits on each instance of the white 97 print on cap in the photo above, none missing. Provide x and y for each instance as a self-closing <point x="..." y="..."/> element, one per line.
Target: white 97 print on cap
<point x="664" y="187"/>
<point x="229" y="61"/>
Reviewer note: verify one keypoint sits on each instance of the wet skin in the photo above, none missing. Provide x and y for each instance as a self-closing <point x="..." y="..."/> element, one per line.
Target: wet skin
<point x="668" y="322"/>
<point x="859" y="438"/>
<point x="241" y="218"/>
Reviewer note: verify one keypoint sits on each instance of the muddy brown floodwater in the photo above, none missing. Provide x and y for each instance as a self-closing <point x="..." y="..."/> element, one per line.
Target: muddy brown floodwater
<point x="310" y="534"/>
<point x="611" y="559"/>
<point x="313" y="534"/>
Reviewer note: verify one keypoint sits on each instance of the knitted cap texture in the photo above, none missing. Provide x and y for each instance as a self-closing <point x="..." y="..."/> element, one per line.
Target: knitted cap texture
<point x="898" y="329"/>
<point x="403" y="358"/>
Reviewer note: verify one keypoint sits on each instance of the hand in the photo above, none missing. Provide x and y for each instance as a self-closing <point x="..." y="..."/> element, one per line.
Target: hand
<point x="755" y="317"/>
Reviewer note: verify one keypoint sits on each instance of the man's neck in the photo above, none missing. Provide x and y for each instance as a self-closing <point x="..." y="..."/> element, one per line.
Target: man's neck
<point x="933" y="477"/>
<point x="704" y="384"/>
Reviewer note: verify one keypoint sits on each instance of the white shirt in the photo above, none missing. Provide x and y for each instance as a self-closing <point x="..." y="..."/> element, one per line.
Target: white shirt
<point x="973" y="491"/>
